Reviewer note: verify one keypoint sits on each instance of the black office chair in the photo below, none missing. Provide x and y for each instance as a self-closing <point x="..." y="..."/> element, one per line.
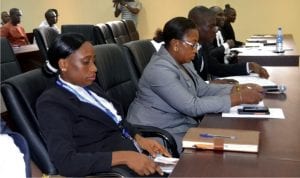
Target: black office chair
<point x="106" y="33"/>
<point x="115" y="77"/>
<point x="119" y="31"/>
<point x="141" y="52"/>
<point x="9" y="64"/>
<point x="20" y="94"/>
<point x="131" y="30"/>
<point x="90" y="32"/>
<point x="44" y="36"/>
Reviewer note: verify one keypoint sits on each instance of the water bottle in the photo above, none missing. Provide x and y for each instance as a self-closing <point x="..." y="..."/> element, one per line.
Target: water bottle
<point x="279" y="41"/>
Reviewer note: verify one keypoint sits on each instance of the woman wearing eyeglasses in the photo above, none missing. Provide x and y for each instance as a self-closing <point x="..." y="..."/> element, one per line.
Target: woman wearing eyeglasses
<point x="171" y="94"/>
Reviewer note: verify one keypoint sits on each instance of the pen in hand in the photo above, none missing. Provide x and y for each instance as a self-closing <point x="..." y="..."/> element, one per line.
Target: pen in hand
<point x="207" y="135"/>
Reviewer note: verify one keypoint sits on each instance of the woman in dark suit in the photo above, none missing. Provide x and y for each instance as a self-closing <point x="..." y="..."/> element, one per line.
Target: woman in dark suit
<point x="83" y="129"/>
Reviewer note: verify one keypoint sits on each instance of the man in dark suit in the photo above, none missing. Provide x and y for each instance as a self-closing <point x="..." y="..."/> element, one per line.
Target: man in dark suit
<point x="205" y="64"/>
<point x="222" y="48"/>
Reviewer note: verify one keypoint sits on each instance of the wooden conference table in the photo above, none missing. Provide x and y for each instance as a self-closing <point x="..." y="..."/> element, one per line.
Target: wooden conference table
<point x="28" y="56"/>
<point x="279" y="145"/>
<point x="266" y="57"/>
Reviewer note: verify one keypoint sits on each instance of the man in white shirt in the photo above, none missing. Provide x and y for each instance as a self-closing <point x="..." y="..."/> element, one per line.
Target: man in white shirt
<point x="128" y="9"/>
<point x="51" y="17"/>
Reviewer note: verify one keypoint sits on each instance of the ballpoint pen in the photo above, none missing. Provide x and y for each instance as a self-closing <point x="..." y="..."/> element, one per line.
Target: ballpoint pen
<point x="207" y="135"/>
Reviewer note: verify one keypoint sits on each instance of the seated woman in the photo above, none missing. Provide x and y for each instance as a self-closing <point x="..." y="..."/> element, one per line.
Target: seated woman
<point x="83" y="129"/>
<point x="171" y="93"/>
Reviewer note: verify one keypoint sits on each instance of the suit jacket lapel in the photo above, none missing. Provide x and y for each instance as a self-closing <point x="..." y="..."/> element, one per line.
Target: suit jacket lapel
<point x="188" y="80"/>
<point x="90" y="111"/>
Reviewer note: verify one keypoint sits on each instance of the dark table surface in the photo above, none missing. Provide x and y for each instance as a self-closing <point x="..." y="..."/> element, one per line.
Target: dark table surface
<point x="279" y="144"/>
<point x="266" y="56"/>
<point x="29" y="57"/>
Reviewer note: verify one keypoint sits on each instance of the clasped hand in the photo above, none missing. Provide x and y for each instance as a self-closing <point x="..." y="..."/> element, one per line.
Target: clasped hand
<point x="152" y="146"/>
<point x="141" y="163"/>
<point x="251" y="93"/>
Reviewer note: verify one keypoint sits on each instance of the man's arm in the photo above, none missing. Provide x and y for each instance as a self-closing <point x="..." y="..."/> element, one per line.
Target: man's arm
<point x="222" y="70"/>
<point x="134" y="10"/>
<point x="117" y="10"/>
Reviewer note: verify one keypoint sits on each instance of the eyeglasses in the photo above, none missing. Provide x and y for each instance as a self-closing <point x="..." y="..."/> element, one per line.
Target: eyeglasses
<point x="195" y="46"/>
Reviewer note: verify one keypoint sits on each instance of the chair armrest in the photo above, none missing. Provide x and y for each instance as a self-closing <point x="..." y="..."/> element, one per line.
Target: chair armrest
<point x="169" y="141"/>
<point x="121" y="171"/>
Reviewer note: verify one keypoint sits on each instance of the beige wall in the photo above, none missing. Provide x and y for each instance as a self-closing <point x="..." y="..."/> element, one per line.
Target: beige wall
<point x="265" y="16"/>
<point x="254" y="16"/>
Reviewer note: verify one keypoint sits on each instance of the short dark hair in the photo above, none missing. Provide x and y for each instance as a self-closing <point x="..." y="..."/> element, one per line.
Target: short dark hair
<point x="216" y="9"/>
<point x="48" y="12"/>
<point x="13" y="11"/>
<point x="200" y="15"/>
<point x="175" y="28"/>
<point x="55" y="11"/>
<point x="63" y="46"/>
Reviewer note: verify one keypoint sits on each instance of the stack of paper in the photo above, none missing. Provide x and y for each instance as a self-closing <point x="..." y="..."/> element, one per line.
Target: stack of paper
<point x="275" y="113"/>
<point x="253" y="78"/>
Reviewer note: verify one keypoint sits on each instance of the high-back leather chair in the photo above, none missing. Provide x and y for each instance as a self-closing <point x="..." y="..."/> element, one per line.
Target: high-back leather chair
<point x="119" y="31"/>
<point x="44" y="36"/>
<point x="90" y="32"/>
<point x="141" y="52"/>
<point x="20" y="94"/>
<point x="115" y="76"/>
<point x="131" y="30"/>
<point x="9" y="64"/>
<point x="106" y="33"/>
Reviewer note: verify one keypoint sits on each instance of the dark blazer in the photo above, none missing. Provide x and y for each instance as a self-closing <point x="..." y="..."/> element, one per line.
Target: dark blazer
<point x="79" y="136"/>
<point x="217" y="51"/>
<point x="212" y="67"/>
<point x="228" y="33"/>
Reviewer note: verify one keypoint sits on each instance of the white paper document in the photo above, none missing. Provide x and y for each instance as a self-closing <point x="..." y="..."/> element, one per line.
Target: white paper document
<point x="166" y="164"/>
<point x="263" y="36"/>
<point x="252" y="78"/>
<point x="275" y="113"/>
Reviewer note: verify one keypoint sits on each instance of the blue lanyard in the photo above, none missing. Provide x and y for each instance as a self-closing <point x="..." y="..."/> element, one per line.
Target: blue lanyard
<point x="81" y="98"/>
<point x="102" y="107"/>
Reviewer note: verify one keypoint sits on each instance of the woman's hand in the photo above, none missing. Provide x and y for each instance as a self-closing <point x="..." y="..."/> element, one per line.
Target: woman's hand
<point x="138" y="162"/>
<point x="142" y="164"/>
<point x="246" y="94"/>
<point x="251" y="96"/>
<point x="252" y="86"/>
<point x="152" y="146"/>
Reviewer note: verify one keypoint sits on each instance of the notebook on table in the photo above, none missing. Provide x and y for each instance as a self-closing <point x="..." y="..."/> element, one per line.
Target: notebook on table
<point x="221" y="139"/>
